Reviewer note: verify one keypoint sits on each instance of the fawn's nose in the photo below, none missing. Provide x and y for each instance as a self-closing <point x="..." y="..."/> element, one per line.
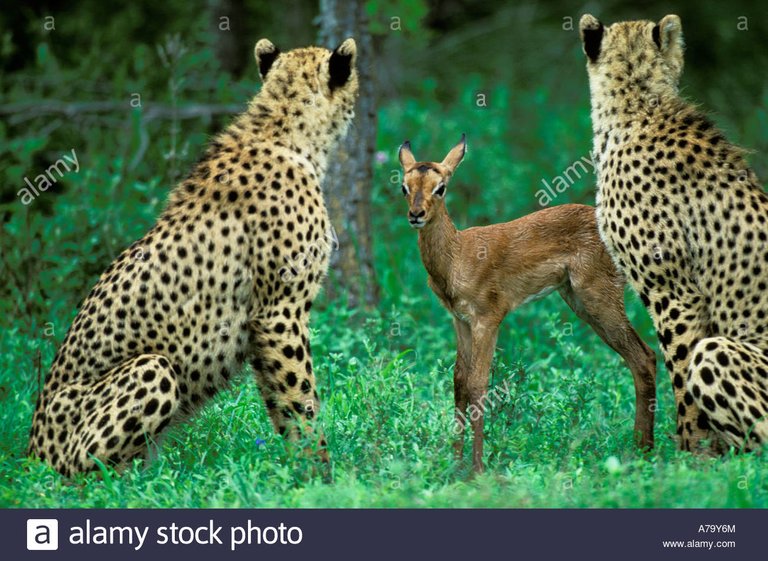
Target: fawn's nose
<point x="416" y="215"/>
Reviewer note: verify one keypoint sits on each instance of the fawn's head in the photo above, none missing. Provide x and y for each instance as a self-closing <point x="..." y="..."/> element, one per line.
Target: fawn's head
<point x="424" y="183"/>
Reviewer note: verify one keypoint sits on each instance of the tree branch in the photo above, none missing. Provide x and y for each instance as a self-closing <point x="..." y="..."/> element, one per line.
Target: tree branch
<point x="150" y="111"/>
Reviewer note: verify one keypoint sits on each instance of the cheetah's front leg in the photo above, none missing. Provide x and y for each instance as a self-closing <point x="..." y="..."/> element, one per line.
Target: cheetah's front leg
<point x="680" y="326"/>
<point x="283" y="366"/>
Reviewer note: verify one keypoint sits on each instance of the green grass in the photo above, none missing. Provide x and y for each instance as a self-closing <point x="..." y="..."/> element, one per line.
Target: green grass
<point x="563" y="439"/>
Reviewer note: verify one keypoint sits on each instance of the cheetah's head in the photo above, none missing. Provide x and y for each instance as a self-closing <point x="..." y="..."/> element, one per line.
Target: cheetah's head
<point x="633" y="57"/>
<point x="321" y="83"/>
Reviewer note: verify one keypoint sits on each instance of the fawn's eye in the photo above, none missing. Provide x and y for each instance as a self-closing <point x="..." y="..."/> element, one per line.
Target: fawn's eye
<point x="439" y="191"/>
<point x="405" y="189"/>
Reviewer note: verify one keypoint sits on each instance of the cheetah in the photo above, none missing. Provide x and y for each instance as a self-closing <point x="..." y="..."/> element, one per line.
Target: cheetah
<point x="684" y="218"/>
<point x="227" y="275"/>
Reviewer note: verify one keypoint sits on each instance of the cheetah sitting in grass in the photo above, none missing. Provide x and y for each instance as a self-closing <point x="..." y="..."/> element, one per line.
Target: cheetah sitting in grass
<point x="226" y="275"/>
<point x="684" y="218"/>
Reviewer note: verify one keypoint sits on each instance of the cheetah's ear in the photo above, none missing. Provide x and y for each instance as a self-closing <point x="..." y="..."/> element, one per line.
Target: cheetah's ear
<point x="341" y="63"/>
<point x="456" y="155"/>
<point x="406" y="156"/>
<point x="591" y="31"/>
<point x="668" y="35"/>
<point x="265" y="53"/>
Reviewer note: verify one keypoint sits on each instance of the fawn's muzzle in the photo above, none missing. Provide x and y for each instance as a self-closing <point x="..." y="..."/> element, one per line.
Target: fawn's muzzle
<point x="416" y="219"/>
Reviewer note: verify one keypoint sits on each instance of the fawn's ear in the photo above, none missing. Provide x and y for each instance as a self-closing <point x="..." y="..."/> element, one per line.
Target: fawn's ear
<point x="454" y="157"/>
<point x="405" y="155"/>
<point x="341" y="63"/>
<point x="591" y="32"/>
<point x="265" y="53"/>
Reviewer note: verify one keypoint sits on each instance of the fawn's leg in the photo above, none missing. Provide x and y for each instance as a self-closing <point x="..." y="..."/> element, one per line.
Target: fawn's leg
<point x="460" y="375"/>
<point x="111" y="420"/>
<point x="484" y="333"/>
<point x="729" y="381"/>
<point x="681" y="317"/>
<point x="599" y="301"/>
<point x="283" y="367"/>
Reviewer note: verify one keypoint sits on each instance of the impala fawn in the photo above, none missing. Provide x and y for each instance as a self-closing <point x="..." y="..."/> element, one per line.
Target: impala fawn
<point x="481" y="274"/>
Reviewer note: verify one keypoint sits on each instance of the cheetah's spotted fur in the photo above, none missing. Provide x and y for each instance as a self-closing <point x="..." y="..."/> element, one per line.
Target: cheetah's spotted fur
<point x="226" y="275"/>
<point x="685" y="219"/>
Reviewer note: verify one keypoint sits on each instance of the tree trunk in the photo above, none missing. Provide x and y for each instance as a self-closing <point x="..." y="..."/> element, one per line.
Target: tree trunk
<point x="350" y="174"/>
<point x="227" y="17"/>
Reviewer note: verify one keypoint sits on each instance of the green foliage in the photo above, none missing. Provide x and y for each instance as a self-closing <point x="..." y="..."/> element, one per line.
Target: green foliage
<point x="396" y="15"/>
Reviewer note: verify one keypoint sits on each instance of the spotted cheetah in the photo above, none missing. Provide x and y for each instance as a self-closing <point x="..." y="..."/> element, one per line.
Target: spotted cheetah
<point x="227" y="275"/>
<point x="684" y="217"/>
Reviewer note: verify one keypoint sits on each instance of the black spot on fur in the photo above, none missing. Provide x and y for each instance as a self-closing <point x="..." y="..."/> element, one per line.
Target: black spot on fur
<point x="656" y="35"/>
<point x="592" y="40"/>
<point x="266" y="60"/>
<point x="340" y="68"/>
